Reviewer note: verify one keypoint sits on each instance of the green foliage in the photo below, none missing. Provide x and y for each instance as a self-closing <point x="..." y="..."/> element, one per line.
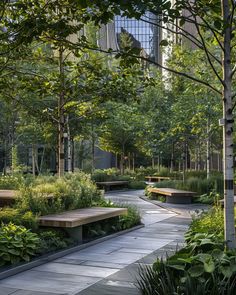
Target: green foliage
<point x="210" y="222"/>
<point x="105" y="174"/>
<point x="52" y="240"/>
<point x="66" y="193"/>
<point x="209" y="274"/>
<point x="111" y="225"/>
<point x="11" y="181"/>
<point x="137" y="184"/>
<point x="111" y="174"/>
<point x="131" y="219"/>
<point x="16" y="244"/>
<point x="211" y="198"/>
<point x="26" y="219"/>
<point x="199" y="185"/>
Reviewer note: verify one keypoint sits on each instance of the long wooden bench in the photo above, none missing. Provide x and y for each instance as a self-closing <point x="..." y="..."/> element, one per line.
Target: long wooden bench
<point x="172" y="195"/>
<point x="73" y="220"/>
<point x="106" y="185"/>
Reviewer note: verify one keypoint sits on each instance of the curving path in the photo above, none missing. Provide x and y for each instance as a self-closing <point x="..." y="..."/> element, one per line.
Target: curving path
<point x="109" y="267"/>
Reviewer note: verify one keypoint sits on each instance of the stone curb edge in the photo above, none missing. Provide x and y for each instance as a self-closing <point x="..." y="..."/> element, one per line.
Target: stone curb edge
<point x="47" y="258"/>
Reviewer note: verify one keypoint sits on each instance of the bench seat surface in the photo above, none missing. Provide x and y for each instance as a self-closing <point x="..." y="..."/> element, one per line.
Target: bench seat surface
<point x="8" y="194"/>
<point x="171" y="192"/>
<point x="79" y="217"/>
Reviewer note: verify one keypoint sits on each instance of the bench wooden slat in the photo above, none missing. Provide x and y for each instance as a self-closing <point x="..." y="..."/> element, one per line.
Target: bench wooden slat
<point x="171" y="192"/>
<point x="79" y="217"/>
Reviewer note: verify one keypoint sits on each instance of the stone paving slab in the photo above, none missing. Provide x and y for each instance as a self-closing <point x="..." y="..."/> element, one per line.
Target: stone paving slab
<point x="7" y="291"/>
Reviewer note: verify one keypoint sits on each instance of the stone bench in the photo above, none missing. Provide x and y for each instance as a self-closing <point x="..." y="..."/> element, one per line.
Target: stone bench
<point x="106" y="185"/>
<point x="73" y="220"/>
<point x="172" y="195"/>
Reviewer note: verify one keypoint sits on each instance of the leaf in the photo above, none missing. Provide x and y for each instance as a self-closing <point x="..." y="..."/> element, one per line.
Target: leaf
<point x="196" y="271"/>
<point x="209" y="266"/>
<point x="217" y="24"/>
<point x="164" y="42"/>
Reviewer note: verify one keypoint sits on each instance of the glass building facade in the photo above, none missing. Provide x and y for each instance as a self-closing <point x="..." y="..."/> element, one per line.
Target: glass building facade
<point x="143" y="34"/>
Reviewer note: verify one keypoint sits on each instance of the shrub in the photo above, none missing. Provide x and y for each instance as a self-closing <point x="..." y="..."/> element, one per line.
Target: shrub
<point x="16" y="244"/>
<point x="211" y="198"/>
<point x="11" y="181"/>
<point x="69" y="192"/>
<point x="26" y="219"/>
<point x="135" y="184"/>
<point x="199" y="185"/>
<point x="211" y="222"/>
<point x="208" y="274"/>
<point x="131" y="219"/>
<point x="51" y="240"/>
<point x="111" y="174"/>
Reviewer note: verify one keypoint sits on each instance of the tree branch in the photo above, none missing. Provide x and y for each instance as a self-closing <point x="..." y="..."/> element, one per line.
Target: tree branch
<point x="207" y="55"/>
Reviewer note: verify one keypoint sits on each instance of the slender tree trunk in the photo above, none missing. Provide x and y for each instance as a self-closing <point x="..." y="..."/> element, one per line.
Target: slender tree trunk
<point x="33" y="159"/>
<point x="61" y="117"/>
<point x="172" y="158"/>
<point x="93" y="153"/>
<point x="129" y="161"/>
<point x="208" y="150"/>
<point x="116" y="161"/>
<point x="228" y="132"/>
<point x="69" y="147"/>
<point x="133" y="164"/>
<point x="153" y="162"/>
<point x="122" y="163"/>
<point x="196" y="159"/>
<point x="72" y="155"/>
<point x="199" y="157"/>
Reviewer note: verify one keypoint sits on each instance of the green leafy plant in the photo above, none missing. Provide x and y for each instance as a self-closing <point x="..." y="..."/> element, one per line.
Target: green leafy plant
<point x="16" y="244"/>
<point x="59" y="194"/>
<point x="11" y="181"/>
<point x="26" y="219"/>
<point x="51" y="240"/>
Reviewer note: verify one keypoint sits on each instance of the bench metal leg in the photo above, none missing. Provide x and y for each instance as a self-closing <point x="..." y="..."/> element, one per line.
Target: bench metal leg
<point x="75" y="233"/>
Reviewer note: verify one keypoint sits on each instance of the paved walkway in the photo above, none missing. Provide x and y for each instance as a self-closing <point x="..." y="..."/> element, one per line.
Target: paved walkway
<point x="110" y="267"/>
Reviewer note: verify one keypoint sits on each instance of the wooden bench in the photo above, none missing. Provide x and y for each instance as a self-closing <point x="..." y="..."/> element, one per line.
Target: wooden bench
<point x="106" y="185"/>
<point x="172" y="195"/>
<point x="73" y="220"/>
<point x="156" y="178"/>
<point x="7" y="197"/>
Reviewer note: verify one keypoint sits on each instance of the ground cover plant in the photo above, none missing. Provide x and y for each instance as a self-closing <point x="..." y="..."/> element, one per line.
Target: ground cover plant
<point x="203" y="266"/>
<point x="16" y="244"/>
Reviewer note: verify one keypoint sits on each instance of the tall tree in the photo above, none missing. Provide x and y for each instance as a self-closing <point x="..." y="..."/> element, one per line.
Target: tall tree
<point x="217" y="18"/>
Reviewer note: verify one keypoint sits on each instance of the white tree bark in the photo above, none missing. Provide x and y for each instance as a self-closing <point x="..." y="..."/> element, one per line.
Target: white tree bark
<point x="228" y="132"/>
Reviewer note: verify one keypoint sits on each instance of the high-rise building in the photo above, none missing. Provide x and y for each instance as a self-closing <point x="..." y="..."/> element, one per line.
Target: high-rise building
<point x="143" y="34"/>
